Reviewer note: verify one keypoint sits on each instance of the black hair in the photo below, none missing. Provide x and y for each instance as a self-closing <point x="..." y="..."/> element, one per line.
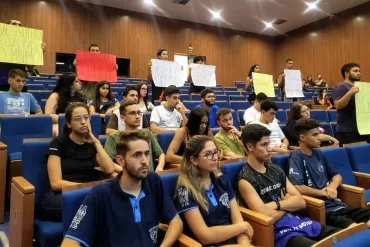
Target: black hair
<point x="253" y="133"/>
<point x="93" y="45"/>
<point x="205" y="91"/>
<point x="195" y="117"/>
<point x="266" y="105"/>
<point x="198" y="59"/>
<point x="128" y="89"/>
<point x="145" y="99"/>
<point x="171" y="90"/>
<point x="97" y="102"/>
<point x="294" y="113"/>
<point x="251" y="70"/>
<point x="124" y="105"/>
<point x="261" y="97"/>
<point x="160" y="51"/>
<point x="347" y="68"/>
<point x="68" y="115"/>
<point x="302" y="126"/>
<point x="17" y="72"/>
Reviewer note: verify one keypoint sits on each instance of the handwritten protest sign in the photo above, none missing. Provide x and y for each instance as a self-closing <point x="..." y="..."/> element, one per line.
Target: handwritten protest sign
<point x="203" y="75"/>
<point x="363" y="108"/>
<point x="166" y="73"/>
<point x="20" y="45"/>
<point x="263" y="84"/>
<point x="96" y="67"/>
<point x="293" y="83"/>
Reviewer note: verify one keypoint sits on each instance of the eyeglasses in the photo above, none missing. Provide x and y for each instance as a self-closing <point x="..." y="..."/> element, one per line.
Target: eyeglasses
<point x="80" y="118"/>
<point x="211" y="97"/>
<point x="210" y="155"/>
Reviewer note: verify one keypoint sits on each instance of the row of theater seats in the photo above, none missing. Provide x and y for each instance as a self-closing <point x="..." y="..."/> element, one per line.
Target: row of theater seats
<point x="28" y="191"/>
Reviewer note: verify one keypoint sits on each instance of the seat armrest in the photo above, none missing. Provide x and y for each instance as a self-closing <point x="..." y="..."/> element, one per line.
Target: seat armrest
<point x="315" y="209"/>
<point x="23" y="185"/>
<point x="314" y="201"/>
<point x="352" y="195"/>
<point x="256" y="217"/>
<point x="183" y="240"/>
<point x="363" y="179"/>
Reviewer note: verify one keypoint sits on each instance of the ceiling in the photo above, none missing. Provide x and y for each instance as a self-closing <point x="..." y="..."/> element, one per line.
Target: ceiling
<point x="244" y="15"/>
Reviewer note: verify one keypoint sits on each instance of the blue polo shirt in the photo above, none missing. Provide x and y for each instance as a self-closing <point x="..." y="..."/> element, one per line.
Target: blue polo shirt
<point x="313" y="171"/>
<point x="110" y="217"/>
<point x="218" y="197"/>
<point x="212" y="119"/>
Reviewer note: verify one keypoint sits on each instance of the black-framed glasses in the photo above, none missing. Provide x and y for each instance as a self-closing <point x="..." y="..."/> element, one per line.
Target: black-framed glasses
<point x="211" y="155"/>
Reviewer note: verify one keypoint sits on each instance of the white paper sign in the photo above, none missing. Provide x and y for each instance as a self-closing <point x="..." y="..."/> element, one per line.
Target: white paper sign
<point x="183" y="60"/>
<point x="166" y="73"/>
<point x="293" y="83"/>
<point x="203" y="75"/>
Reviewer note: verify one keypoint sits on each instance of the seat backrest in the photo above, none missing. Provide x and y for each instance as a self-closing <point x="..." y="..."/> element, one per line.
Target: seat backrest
<point x="15" y="129"/>
<point x="95" y="122"/>
<point x="164" y="140"/>
<point x="327" y="128"/>
<point x="338" y="158"/>
<point x="281" y="116"/>
<point x="222" y="97"/>
<point x="223" y="104"/>
<point x="169" y="183"/>
<point x="332" y="114"/>
<point x="239" y="105"/>
<point x="283" y="105"/>
<point x="232" y="170"/>
<point x="282" y="161"/>
<point x="359" y="157"/>
<point x="34" y="167"/>
<point x="71" y="202"/>
<point x="191" y="104"/>
<point x="319" y="115"/>
<point x="235" y="119"/>
<point x="241" y="119"/>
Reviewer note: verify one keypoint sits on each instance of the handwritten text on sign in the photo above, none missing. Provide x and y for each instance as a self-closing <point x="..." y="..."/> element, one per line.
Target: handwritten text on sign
<point x="263" y="84"/>
<point x="363" y="108"/>
<point x="167" y="73"/>
<point x="96" y="67"/>
<point x="293" y="83"/>
<point x="20" y="45"/>
<point x="203" y="75"/>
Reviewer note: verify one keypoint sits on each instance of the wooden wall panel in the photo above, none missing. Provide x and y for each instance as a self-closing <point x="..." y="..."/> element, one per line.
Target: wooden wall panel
<point x="74" y="26"/>
<point x="324" y="47"/>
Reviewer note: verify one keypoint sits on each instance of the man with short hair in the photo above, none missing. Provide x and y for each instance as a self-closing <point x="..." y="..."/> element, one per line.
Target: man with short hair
<point x="126" y="210"/>
<point x="131" y="116"/>
<point x="115" y="122"/>
<point x="169" y="116"/>
<point x="14" y="102"/>
<point x="263" y="187"/>
<point x="279" y="143"/>
<point x="208" y="98"/>
<point x="344" y="101"/>
<point x="289" y="64"/>
<point x="312" y="175"/>
<point x="193" y="88"/>
<point x="253" y="113"/>
<point x="228" y="137"/>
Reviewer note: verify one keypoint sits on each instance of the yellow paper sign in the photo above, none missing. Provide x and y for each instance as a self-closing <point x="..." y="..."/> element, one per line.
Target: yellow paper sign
<point x="20" y="45"/>
<point x="363" y="108"/>
<point x="263" y="84"/>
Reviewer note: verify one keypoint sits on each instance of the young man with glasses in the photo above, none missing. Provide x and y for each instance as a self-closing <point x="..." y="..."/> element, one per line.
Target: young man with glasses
<point x="130" y="115"/>
<point x="208" y="98"/>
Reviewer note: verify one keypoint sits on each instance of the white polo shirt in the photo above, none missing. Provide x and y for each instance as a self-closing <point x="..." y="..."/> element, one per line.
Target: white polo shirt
<point x="165" y="118"/>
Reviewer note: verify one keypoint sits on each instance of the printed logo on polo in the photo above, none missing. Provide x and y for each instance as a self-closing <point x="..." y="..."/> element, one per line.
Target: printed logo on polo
<point x="292" y="172"/>
<point x="320" y="167"/>
<point x="183" y="195"/>
<point x="78" y="217"/>
<point x="153" y="232"/>
<point x="224" y="199"/>
<point x="15" y="105"/>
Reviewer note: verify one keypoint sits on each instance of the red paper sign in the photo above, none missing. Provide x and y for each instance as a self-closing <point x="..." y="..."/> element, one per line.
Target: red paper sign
<point x="95" y="67"/>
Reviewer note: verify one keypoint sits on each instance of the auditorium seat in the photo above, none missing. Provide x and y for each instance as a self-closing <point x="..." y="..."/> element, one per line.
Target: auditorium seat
<point x="222" y="97"/>
<point x="333" y="127"/>
<point x="232" y="93"/>
<point x="43" y="104"/>
<point x="283" y="105"/>
<point x="327" y="128"/>
<point x="35" y="87"/>
<point x="239" y="84"/>
<point x="359" y="157"/>
<point x="191" y="104"/>
<point x="273" y="98"/>
<point x="239" y="105"/>
<point x="39" y="95"/>
<point x="238" y="97"/>
<point x="354" y="195"/>
<point x="164" y="140"/>
<point x="184" y="97"/>
<point x="106" y="119"/>
<point x="230" y="89"/>
<point x="193" y="97"/>
<point x="223" y="104"/>
<point x="319" y="115"/>
<point x="95" y="122"/>
<point x="241" y="119"/>
<point x="219" y="91"/>
<point x="281" y="116"/>
<point x="332" y="114"/>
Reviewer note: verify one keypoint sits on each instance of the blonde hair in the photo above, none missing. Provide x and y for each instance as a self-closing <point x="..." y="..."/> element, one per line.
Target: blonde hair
<point x="190" y="175"/>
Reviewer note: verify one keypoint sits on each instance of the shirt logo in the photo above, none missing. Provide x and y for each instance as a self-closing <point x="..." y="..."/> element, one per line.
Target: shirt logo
<point x="178" y="119"/>
<point x="15" y="105"/>
<point x="183" y="195"/>
<point x="320" y="167"/>
<point x="292" y="172"/>
<point x="153" y="232"/>
<point x="78" y="217"/>
<point x="224" y="199"/>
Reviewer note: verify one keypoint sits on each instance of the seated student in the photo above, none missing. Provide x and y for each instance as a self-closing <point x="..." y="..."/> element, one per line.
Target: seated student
<point x="170" y="116"/>
<point x="115" y="122"/>
<point x="301" y="111"/>
<point x="323" y="99"/>
<point x="205" y="199"/>
<point x="178" y="106"/>
<point x="71" y="159"/>
<point x="208" y="103"/>
<point x="193" y="88"/>
<point x="279" y="143"/>
<point x="130" y="115"/>
<point x="263" y="187"/>
<point x="228" y="137"/>
<point x="253" y="113"/>
<point x="144" y="104"/>
<point x="312" y="175"/>
<point x="197" y="125"/>
<point x="320" y="82"/>
<point x="15" y="102"/>
<point x="66" y="92"/>
<point x="31" y="71"/>
<point x="126" y="210"/>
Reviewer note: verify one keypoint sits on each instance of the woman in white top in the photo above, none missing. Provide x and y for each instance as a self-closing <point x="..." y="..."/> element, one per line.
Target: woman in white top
<point x="144" y="104"/>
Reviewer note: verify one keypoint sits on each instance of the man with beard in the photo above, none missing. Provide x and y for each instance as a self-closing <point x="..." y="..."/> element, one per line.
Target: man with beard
<point x="127" y="210"/>
<point x="289" y="64"/>
<point x="131" y="116"/>
<point x="208" y="103"/>
<point x="228" y="138"/>
<point x="345" y="103"/>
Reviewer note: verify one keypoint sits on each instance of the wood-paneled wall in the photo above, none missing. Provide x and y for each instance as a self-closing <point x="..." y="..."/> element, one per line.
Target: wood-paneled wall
<point x="324" y="47"/>
<point x="73" y="26"/>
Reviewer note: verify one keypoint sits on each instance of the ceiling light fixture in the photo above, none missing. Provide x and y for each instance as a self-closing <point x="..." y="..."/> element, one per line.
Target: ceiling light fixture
<point x="268" y="24"/>
<point x="148" y="2"/>
<point x="312" y="5"/>
<point x="216" y="14"/>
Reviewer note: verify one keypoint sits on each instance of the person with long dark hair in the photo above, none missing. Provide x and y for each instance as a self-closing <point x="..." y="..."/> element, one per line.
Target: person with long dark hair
<point x="71" y="159"/>
<point x="66" y="92"/>
<point x="205" y="198"/>
<point x="323" y="99"/>
<point x="105" y="102"/>
<point x="144" y="104"/>
<point x="249" y="87"/>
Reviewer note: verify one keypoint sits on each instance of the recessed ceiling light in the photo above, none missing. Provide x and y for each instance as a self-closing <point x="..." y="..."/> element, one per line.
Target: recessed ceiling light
<point x="149" y="2"/>
<point x="312" y="5"/>
<point x="216" y="14"/>
<point x="268" y="24"/>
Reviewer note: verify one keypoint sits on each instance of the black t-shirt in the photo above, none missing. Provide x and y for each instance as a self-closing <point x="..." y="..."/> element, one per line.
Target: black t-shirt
<point x="77" y="161"/>
<point x="77" y="98"/>
<point x="268" y="185"/>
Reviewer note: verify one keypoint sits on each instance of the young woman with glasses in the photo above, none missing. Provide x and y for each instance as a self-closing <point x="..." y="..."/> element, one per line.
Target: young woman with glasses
<point x="143" y="92"/>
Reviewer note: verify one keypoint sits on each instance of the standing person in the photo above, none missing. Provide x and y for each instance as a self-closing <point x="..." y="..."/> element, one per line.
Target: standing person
<point x="205" y="198"/>
<point x="208" y="98"/>
<point x="193" y="88"/>
<point x="162" y="54"/>
<point x="126" y="211"/>
<point x="143" y="94"/>
<point x="345" y="103"/>
<point x="249" y="87"/>
<point x="289" y="64"/>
